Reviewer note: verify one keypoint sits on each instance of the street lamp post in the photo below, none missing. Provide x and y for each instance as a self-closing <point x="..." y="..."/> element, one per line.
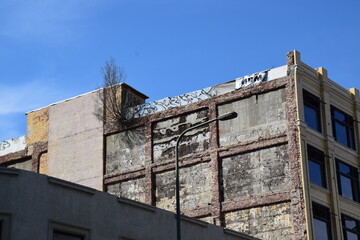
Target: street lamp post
<point x="224" y="117"/>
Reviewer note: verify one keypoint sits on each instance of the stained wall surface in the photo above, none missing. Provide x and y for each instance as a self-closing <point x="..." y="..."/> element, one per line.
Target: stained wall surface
<point x="125" y="151"/>
<point x="266" y="222"/>
<point x="165" y="134"/>
<point x="232" y="173"/>
<point x="75" y="148"/>
<point x="133" y="189"/>
<point x="258" y="172"/>
<point x="195" y="188"/>
<point x="259" y="116"/>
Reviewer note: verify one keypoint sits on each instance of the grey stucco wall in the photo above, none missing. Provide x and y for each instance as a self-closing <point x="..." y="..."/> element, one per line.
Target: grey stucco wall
<point x="259" y="116"/>
<point x="75" y="147"/>
<point x="42" y="204"/>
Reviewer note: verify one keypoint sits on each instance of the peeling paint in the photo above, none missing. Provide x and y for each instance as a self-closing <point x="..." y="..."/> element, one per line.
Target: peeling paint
<point x="266" y="222"/>
<point x="165" y="134"/>
<point x="133" y="189"/>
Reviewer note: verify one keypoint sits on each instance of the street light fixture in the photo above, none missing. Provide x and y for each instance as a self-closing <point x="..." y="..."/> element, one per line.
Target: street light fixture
<point x="224" y="117"/>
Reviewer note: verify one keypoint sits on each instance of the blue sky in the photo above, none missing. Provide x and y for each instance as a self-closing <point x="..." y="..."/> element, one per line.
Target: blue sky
<point x="52" y="50"/>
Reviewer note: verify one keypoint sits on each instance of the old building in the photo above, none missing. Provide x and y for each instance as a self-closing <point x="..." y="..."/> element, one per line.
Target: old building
<point x="44" y="207"/>
<point x="285" y="168"/>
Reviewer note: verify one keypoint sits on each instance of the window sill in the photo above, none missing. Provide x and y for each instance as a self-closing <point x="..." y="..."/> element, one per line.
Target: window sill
<point x="312" y="131"/>
<point x="345" y="148"/>
<point x="319" y="188"/>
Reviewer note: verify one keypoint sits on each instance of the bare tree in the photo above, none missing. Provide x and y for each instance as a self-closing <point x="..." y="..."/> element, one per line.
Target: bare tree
<point x="110" y="101"/>
<point x="112" y="104"/>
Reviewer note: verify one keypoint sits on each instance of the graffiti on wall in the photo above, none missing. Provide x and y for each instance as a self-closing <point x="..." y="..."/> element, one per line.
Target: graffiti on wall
<point x="182" y="100"/>
<point x="12" y="145"/>
<point x="170" y="102"/>
<point x="251" y="79"/>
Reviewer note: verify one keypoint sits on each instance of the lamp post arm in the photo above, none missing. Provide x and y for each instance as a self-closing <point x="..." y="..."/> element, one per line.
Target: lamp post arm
<point x="177" y="188"/>
<point x="224" y="117"/>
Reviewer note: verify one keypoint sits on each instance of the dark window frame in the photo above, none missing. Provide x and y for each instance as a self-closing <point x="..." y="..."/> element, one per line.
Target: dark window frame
<point x="313" y="102"/>
<point x="323" y="214"/>
<point x="317" y="156"/>
<point x="348" y="123"/>
<point x="67" y="229"/>
<point x="354" y="178"/>
<point x="5" y="226"/>
<point x="355" y="230"/>
<point x="81" y="237"/>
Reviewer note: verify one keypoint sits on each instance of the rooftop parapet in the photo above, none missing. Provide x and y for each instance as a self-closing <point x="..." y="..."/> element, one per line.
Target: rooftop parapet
<point x="12" y="145"/>
<point x="205" y="93"/>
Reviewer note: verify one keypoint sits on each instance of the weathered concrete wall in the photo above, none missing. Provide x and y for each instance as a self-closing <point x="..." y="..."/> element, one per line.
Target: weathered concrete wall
<point x="165" y="134"/>
<point x="195" y="188"/>
<point x="243" y="163"/>
<point x="12" y="145"/>
<point x="75" y="149"/>
<point x="266" y="222"/>
<point x="125" y="150"/>
<point x="258" y="172"/>
<point x="259" y="116"/>
<point x="133" y="189"/>
<point x="37" y="129"/>
<point x="22" y="164"/>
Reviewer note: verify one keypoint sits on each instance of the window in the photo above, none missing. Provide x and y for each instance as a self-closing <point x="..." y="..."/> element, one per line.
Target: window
<point x="351" y="228"/>
<point x="4" y="226"/>
<point x="65" y="231"/>
<point x="348" y="181"/>
<point x="322" y="222"/>
<point x="343" y="127"/>
<point x="66" y="236"/>
<point x="312" y="110"/>
<point x="316" y="166"/>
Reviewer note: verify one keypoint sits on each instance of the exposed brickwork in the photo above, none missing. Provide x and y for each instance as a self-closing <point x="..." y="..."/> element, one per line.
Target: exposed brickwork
<point x="297" y="194"/>
<point x="212" y="206"/>
<point x="256" y="201"/>
<point x="11" y="157"/>
<point x="38" y="149"/>
<point x="32" y="152"/>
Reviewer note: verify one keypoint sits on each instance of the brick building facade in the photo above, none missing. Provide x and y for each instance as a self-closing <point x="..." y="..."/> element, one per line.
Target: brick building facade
<point x="274" y="172"/>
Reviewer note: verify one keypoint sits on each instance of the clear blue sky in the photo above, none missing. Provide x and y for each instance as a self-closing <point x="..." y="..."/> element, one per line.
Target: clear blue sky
<point x="52" y="50"/>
